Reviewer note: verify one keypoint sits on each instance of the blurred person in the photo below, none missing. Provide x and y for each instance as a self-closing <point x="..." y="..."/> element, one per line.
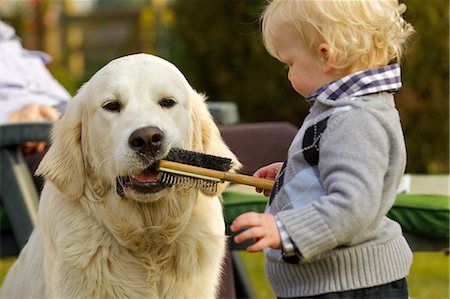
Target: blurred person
<point x="325" y="233"/>
<point x="28" y="92"/>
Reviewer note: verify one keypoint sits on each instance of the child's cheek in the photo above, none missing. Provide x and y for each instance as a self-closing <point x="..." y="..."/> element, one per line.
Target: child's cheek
<point x="298" y="88"/>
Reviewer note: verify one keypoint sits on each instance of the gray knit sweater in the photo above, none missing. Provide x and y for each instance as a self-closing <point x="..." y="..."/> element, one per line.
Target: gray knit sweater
<point x="340" y="180"/>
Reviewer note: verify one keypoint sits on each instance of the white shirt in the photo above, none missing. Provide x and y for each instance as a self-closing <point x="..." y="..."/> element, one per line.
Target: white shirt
<point x="24" y="78"/>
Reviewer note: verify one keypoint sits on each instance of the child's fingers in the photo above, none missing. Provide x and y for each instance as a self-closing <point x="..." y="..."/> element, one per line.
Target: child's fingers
<point x="245" y="220"/>
<point x="260" y="173"/>
<point x="259" y="227"/>
<point x="265" y="192"/>
<point x="250" y="233"/>
<point x="259" y="245"/>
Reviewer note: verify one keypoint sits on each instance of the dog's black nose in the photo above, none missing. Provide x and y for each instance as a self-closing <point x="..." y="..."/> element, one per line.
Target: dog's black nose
<point x="147" y="140"/>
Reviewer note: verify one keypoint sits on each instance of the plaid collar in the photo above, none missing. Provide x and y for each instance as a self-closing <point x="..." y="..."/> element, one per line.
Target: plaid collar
<point x="386" y="78"/>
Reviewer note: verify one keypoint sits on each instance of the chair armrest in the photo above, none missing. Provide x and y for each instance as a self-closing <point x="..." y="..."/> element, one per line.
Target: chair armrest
<point x="18" y="194"/>
<point x="18" y="133"/>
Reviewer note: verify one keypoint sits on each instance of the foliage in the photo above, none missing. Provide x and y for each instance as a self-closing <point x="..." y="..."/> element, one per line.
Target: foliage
<point x="423" y="101"/>
<point x="217" y="45"/>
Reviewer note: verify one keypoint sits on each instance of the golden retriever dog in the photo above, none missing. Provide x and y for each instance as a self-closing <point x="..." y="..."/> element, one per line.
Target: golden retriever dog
<point x="99" y="238"/>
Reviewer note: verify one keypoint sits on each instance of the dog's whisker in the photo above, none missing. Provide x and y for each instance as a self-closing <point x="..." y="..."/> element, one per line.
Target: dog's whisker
<point x="149" y="160"/>
<point x="106" y="159"/>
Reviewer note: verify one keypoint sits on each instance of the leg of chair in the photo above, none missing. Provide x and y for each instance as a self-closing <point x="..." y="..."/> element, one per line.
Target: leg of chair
<point x="18" y="194"/>
<point x="227" y="286"/>
<point x="244" y="288"/>
<point x="426" y="243"/>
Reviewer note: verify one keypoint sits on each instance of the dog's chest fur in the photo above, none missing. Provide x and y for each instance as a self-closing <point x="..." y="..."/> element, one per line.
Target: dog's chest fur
<point x="133" y="257"/>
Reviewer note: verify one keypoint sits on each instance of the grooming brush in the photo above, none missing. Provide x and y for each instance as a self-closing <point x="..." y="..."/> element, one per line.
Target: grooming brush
<point x="189" y="169"/>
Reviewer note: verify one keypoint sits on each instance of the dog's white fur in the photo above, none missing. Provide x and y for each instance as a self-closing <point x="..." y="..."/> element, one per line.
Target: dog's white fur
<point x="90" y="242"/>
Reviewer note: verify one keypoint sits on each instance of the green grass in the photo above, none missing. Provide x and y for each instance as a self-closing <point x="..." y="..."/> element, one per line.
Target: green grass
<point x="5" y="264"/>
<point x="429" y="277"/>
<point x="254" y="265"/>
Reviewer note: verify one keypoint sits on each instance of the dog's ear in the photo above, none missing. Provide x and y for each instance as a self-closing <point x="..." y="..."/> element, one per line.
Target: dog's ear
<point x="63" y="163"/>
<point x="207" y="138"/>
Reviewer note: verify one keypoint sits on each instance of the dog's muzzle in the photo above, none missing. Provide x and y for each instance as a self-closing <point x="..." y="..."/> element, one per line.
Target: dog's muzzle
<point x="147" y="142"/>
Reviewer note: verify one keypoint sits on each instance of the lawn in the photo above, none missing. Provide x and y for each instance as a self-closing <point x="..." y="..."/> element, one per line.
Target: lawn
<point x="429" y="277"/>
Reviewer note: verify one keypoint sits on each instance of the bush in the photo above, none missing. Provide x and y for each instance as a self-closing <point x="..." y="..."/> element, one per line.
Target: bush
<point x="217" y="45"/>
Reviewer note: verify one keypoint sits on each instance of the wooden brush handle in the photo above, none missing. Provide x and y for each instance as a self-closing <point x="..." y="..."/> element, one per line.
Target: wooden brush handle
<point x="248" y="180"/>
<point x="223" y="175"/>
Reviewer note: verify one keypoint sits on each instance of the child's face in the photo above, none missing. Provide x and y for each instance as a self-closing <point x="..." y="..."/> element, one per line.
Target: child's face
<point x="306" y="72"/>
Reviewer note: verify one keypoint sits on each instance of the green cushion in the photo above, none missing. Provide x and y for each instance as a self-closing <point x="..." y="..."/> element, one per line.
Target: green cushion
<point x="417" y="213"/>
<point x="422" y="214"/>
<point x="237" y="203"/>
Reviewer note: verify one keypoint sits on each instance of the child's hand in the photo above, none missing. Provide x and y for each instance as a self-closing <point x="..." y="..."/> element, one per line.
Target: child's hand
<point x="269" y="172"/>
<point x="261" y="227"/>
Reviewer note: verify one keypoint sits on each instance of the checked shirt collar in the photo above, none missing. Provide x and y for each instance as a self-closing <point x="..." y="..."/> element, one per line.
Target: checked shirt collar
<point x="386" y="78"/>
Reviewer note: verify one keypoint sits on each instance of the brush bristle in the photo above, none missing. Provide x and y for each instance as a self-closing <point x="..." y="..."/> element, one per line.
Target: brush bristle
<point x="185" y="182"/>
<point x="199" y="159"/>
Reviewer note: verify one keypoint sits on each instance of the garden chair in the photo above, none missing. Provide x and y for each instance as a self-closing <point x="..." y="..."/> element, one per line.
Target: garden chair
<point x="18" y="194"/>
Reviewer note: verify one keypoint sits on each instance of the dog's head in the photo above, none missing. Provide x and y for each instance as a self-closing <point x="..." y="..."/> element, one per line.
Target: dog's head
<point x="122" y="122"/>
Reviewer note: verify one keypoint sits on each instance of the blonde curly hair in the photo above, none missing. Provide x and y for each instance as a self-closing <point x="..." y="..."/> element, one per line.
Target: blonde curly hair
<point x="360" y="34"/>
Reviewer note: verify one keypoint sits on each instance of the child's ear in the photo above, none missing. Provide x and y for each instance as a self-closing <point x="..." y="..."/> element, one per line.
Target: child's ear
<point x="325" y="58"/>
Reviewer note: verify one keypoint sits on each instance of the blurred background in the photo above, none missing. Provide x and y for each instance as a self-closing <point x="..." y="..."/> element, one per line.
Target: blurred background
<point x="217" y="45"/>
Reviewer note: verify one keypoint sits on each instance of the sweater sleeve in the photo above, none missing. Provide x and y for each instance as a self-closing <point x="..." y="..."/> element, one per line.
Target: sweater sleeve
<point x="353" y="160"/>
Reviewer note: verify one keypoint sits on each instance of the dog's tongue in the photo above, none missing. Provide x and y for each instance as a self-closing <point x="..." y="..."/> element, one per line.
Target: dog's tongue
<point x="146" y="177"/>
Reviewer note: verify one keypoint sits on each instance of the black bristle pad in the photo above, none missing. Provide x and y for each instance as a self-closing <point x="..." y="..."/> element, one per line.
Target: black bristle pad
<point x="199" y="159"/>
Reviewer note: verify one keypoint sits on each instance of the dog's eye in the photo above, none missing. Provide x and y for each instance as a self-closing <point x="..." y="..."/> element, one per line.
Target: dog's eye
<point x="167" y="102"/>
<point x="113" y="106"/>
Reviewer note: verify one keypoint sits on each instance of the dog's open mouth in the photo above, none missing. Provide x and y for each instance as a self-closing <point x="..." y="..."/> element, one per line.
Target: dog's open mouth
<point x="146" y="182"/>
